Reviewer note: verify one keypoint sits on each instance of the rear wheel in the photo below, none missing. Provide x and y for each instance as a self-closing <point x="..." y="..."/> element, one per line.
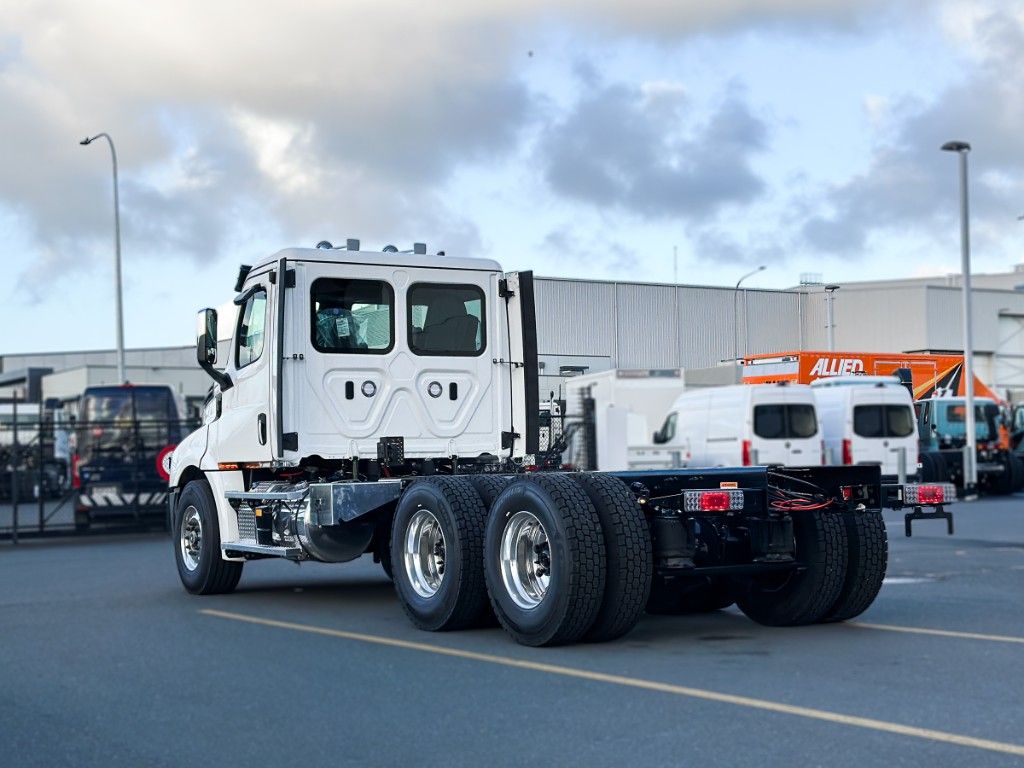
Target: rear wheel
<point x="544" y="560"/>
<point x="803" y="596"/>
<point x="933" y="468"/>
<point x="627" y="544"/>
<point x="437" y="554"/>
<point x="202" y="569"/>
<point x="489" y="486"/>
<point x="868" y="555"/>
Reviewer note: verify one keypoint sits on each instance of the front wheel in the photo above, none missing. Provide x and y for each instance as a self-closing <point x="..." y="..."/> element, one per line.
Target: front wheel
<point x="197" y="544"/>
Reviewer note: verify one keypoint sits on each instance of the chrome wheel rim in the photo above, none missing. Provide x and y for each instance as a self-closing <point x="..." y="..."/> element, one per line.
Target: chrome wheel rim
<point x="525" y="560"/>
<point x="191" y="538"/>
<point x="424" y="553"/>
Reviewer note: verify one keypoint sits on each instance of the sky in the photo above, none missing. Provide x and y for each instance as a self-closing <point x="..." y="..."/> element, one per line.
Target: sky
<point x="576" y="139"/>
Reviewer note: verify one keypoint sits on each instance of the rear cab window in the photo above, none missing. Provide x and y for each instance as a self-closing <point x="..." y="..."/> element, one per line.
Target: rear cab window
<point x="352" y="316"/>
<point x="446" y="319"/>
<point x="791" y="421"/>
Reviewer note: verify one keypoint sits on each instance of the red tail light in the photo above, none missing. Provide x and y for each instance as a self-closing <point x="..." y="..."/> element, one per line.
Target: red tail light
<point x="847" y="451"/>
<point x="936" y="493"/>
<point x="76" y="479"/>
<point x="712" y="501"/>
<point x="746" y="453"/>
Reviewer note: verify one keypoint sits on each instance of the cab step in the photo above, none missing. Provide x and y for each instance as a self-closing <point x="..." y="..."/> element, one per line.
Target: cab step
<point x="247" y="548"/>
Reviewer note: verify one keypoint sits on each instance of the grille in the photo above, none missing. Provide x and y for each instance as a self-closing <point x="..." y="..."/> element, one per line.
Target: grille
<point x="246" y="523"/>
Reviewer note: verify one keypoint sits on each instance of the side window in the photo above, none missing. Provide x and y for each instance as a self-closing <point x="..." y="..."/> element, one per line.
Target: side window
<point x="446" y="319"/>
<point x="352" y="316"/>
<point x="252" y="321"/>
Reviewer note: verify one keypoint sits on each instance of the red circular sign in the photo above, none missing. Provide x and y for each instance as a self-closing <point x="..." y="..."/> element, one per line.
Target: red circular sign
<point x="163" y="461"/>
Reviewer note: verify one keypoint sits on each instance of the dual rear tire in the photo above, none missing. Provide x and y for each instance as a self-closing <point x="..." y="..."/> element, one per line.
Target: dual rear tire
<point x="555" y="558"/>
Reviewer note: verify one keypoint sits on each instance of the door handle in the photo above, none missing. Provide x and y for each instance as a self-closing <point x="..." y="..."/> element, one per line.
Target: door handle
<point x="261" y="428"/>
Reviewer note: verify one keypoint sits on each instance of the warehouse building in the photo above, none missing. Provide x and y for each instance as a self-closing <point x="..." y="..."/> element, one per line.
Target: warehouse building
<point x="592" y="325"/>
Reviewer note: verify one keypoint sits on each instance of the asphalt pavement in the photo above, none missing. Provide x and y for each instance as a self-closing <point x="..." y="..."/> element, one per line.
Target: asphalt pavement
<point x="106" y="661"/>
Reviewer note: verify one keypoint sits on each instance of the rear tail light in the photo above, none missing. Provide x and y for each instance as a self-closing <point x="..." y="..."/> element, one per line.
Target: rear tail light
<point x="746" y="453"/>
<point x="712" y="501"/>
<point x="76" y="479"/>
<point x="847" y="452"/>
<point x="933" y="493"/>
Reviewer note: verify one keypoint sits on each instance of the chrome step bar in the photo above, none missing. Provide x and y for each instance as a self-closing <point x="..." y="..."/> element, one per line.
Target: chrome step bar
<point x="251" y="547"/>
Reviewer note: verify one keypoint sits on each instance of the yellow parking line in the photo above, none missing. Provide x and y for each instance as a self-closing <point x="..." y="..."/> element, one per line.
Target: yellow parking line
<point x="648" y="685"/>
<point x="939" y="632"/>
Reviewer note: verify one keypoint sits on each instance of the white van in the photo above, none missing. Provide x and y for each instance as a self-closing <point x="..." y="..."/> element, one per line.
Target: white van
<point x="867" y="420"/>
<point x="745" y="424"/>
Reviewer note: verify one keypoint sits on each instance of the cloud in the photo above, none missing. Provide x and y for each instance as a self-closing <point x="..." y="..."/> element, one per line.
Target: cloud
<point x="910" y="185"/>
<point x="327" y="118"/>
<point x="621" y="147"/>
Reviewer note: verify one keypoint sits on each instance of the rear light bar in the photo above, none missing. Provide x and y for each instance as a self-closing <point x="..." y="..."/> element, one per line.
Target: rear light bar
<point x="931" y="493"/>
<point x="712" y="501"/>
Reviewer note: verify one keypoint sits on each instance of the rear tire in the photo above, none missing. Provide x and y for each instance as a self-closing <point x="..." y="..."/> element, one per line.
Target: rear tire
<point x="868" y="558"/>
<point x="202" y="569"/>
<point x="803" y="597"/>
<point x="933" y="468"/>
<point x="437" y="554"/>
<point x="489" y="487"/>
<point x="544" y="560"/>
<point x="627" y="544"/>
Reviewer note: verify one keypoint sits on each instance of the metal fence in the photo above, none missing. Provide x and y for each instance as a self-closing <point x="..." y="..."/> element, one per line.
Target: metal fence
<point x="59" y="476"/>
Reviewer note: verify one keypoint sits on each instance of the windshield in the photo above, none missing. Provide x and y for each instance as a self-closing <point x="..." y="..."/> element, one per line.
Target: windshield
<point x="883" y="421"/>
<point x="116" y="420"/>
<point x="951" y="420"/>
<point x="785" y="422"/>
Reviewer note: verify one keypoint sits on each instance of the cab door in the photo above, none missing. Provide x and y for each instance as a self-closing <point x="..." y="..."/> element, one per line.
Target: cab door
<point x="243" y="429"/>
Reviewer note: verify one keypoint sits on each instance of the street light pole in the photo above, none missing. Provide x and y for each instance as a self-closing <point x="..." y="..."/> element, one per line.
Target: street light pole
<point x="830" y="298"/>
<point x="117" y="257"/>
<point x="962" y="148"/>
<point x="736" y="322"/>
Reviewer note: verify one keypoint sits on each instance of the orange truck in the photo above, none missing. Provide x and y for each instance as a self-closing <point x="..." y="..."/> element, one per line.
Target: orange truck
<point x="932" y="375"/>
<point x="938" y="387"/>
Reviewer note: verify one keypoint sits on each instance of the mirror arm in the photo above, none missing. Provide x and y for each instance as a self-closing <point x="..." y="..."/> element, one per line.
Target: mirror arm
<point x="218" y="376"/>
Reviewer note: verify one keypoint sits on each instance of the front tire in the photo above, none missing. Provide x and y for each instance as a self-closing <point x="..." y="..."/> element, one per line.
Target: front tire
<point x="544" y="560"/>
<point x="437" y="554"/>
<point x="197" y="544"/>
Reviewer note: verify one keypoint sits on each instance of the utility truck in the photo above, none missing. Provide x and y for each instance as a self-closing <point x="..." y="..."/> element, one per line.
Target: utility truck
<point x="386" y="403"/>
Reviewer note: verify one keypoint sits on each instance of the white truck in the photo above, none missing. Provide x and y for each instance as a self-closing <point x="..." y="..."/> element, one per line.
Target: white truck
<point x="386" y="403"/>
<point x="618" y="411"/>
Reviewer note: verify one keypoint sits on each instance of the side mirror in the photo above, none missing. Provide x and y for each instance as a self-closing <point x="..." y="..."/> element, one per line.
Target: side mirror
<point x="206" y="347"/>
<point x="206" y="337"/>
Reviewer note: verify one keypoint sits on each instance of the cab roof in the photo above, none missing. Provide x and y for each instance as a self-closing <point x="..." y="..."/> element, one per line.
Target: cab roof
<point x="379" y="258"/>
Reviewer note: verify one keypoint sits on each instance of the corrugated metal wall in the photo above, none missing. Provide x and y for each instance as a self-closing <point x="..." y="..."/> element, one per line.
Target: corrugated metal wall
<point x="640" y="325"/>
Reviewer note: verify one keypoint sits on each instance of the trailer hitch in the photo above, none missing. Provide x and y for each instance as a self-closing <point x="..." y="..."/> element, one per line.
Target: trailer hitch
<point x="918" y="513"/>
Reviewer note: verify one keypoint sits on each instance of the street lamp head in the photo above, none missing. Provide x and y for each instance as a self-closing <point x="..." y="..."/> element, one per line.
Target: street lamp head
<point x="85" y="141"/>
<point x="956" y="146"/>
<point x="762" y="268"/>
<point x="831" y="288"/>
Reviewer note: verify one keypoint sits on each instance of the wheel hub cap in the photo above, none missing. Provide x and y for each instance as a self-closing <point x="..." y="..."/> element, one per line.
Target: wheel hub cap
<point x="424" y="553"/>
<point x="525" y="560"/>
<point x="191" y="538"/>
